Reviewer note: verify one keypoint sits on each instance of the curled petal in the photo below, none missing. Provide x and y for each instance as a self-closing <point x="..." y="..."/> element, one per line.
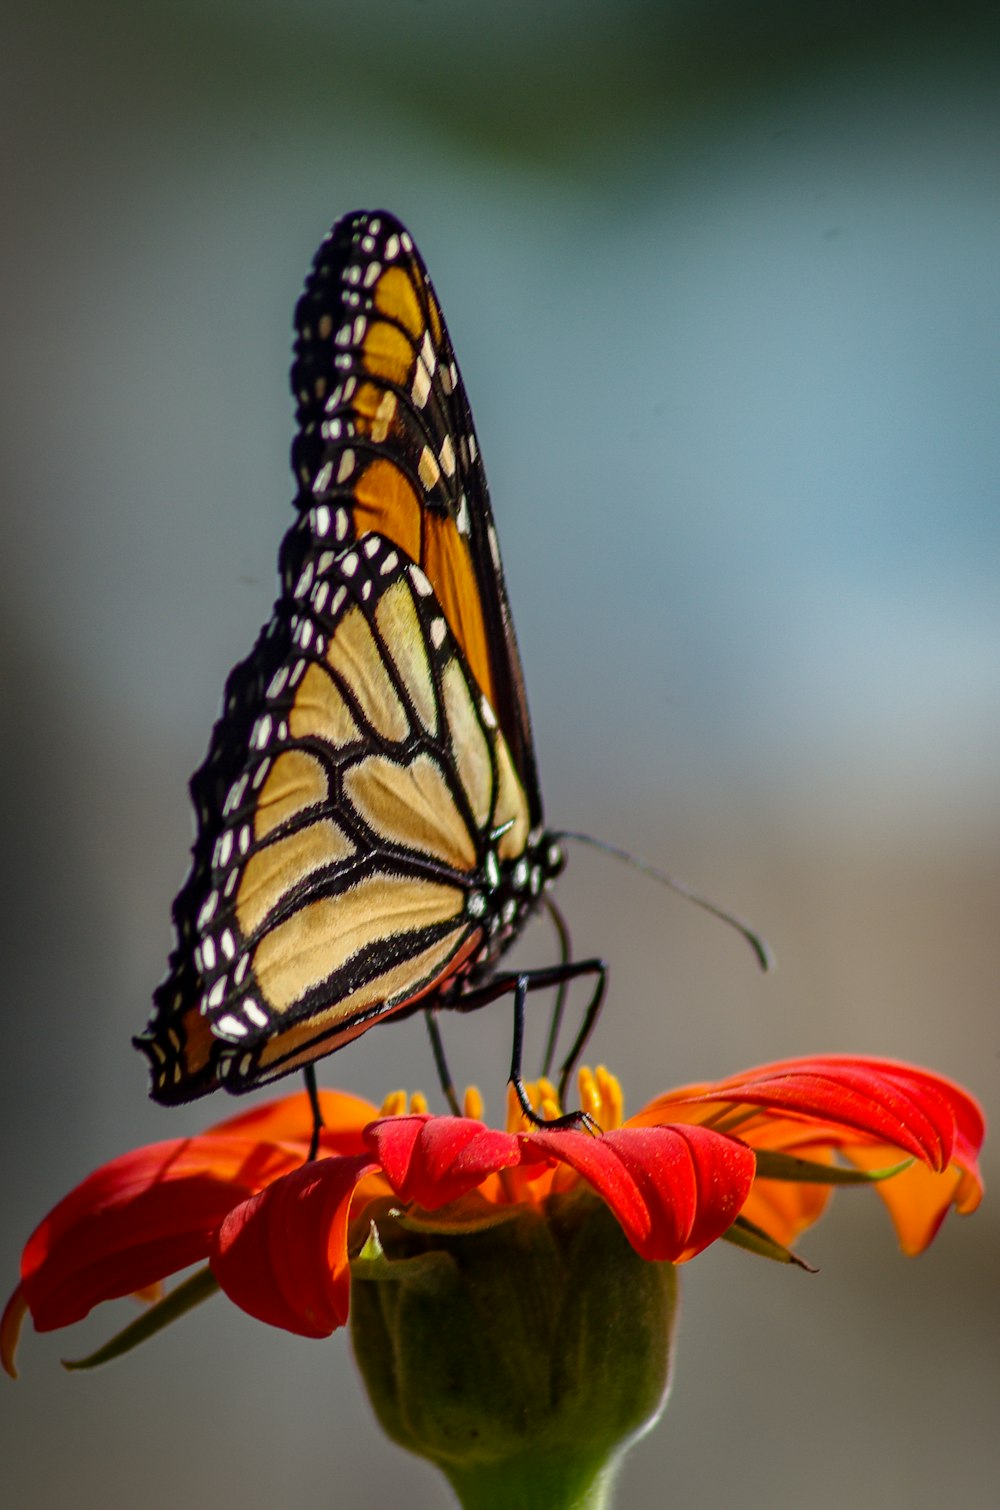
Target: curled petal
<point x="137" y="1219"/>
<point x="674" y="1189"/>
<point x="434" y="1160"/>
<point x="864" y="1110"/>
<point x="281" y="1255"/>
<point x="923" y="1114"/>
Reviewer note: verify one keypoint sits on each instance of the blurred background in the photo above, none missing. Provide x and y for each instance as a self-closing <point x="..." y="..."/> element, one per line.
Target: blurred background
<point x="723" y="280"/>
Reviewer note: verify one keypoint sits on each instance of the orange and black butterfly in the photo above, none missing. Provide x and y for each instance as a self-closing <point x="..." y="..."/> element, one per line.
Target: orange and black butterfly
<point x="370" y="834"/>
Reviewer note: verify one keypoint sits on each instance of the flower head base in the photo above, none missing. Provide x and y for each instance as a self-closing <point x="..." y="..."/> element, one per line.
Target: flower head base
<point x="528" y="1351"/>
<point x="753" y="1157"/>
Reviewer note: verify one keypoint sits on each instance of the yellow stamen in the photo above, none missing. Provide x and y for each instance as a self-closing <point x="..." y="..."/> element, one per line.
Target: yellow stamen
<point x="418" y="1104"/>
<point x="590" y="1094"/>
<point x="472" y="1105"/>
<point x="394" y="1104"/>
<point x="612" y="1099"/>
<point x="549" y="1108"/>
<point x="536" y="1091"/>
<point x="515" y="1117"/>
<point x="545" y="1091"/>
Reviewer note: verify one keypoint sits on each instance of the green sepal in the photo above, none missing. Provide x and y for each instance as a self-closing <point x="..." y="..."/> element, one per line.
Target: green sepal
<point x="184" y="1297"/>
<point x="747" y="1235"/>
<point x="473" y="1213"/>
<point x="772" y="1165"/>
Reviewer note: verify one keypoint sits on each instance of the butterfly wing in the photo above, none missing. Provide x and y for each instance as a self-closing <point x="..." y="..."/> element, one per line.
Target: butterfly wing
<point x="350" y="869"/>
<point x="386" y="442"/>
<point x="368" y="831"/>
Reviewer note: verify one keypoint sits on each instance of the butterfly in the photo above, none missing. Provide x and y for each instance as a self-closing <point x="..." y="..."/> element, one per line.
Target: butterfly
<point x="370" y="836"/>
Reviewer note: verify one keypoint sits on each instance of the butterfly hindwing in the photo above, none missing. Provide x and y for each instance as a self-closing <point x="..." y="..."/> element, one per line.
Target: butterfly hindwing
<point x="358" y="854"/>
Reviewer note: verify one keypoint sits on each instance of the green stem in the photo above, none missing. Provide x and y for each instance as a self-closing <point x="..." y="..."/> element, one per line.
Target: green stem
<point x="534" y="1483"/>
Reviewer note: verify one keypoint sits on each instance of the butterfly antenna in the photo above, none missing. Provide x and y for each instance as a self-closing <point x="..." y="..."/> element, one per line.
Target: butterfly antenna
<point x="565" y="950"/>
<point x="762" y="950"/>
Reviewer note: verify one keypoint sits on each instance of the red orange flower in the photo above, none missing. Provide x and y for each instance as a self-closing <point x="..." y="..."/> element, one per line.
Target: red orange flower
<point x="760" y="1150"/>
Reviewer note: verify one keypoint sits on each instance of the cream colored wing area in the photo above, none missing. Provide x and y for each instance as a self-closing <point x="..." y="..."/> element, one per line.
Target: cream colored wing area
<point x="279" y="867"/>
<point x="511" y="804"/>
<point x="354" y="654"/>
<point x="399" y="626"/>
<point x="468" y="743"/>
<point x="295" y="782"/>
<point x="414" y="977"/>
<point x="411" y="805"/>
<point x="322" y="936"/>
<point x="320" y="712"/>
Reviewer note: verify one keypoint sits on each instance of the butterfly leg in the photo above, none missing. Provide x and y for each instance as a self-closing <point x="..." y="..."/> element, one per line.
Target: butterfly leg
<point x="538" y="980"/>
<point x="586" y="1027"/>
<point x="309" y="1075"/>
<point x="565" y="951"/>
<point x="441" y="1063"/>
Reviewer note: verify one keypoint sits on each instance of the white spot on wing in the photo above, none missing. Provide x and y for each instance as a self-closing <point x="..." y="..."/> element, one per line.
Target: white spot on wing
<point x="230" y="1027"/>
<point x="258" y="1017"/>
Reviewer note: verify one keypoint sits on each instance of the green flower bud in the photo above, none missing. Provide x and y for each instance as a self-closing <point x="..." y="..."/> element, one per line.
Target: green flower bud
<point x="521" y="1348"/>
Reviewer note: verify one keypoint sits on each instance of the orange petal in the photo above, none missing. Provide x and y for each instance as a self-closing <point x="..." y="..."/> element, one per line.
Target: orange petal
<point x="14" y="1313"/>
<point x="290" y="1119"/>
<point x="918" y="1199"/>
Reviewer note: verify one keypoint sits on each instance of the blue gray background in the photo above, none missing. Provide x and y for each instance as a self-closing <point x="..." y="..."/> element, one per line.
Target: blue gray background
<point x="723" y="280"/>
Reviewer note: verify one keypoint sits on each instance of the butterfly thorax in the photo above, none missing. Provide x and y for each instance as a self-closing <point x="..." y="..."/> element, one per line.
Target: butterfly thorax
<point x="506" y="894"/>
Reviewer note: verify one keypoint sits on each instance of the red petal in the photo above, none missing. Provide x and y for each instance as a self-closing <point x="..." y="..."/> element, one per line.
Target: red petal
<point x="434" y="1160"/>
<point x="674" y="1189"/>
<point x="137" y="1219"/>
<point x="920" y="1113"/>
<point x="282" y="1254"/>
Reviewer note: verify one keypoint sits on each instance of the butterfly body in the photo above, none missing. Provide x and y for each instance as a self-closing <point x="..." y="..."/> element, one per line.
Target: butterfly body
<point x="370" y="835"/>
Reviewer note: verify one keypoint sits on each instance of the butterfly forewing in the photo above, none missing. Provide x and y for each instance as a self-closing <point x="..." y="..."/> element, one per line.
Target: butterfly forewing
<point x="386" y="442"/>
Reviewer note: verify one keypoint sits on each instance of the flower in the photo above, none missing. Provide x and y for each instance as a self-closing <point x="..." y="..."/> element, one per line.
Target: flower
<point x="753" y="1157"/>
